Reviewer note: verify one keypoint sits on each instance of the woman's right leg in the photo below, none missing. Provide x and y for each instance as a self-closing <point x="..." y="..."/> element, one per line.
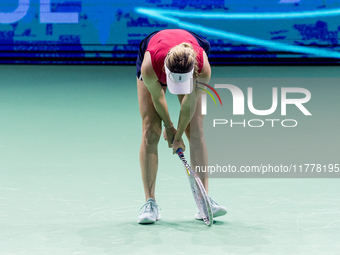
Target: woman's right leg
<point x="152" y="129"/>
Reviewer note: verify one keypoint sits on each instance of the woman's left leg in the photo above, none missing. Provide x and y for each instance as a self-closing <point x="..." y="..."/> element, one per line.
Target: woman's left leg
<point x="198" y="147"/>
<point x="199" y="154"/>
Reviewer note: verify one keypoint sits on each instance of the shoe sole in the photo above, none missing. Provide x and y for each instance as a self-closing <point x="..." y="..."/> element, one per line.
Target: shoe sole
<point x="148" y="221"/>
<point x="216" y="214"/>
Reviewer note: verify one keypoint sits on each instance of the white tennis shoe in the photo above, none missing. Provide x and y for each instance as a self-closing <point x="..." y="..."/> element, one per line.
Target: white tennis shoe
<point x="217" y="210"/>
<point x="149" y="212"/>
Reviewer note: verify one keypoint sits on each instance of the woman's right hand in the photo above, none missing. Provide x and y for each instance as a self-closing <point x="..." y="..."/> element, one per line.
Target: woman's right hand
<point x="169" y="134"/>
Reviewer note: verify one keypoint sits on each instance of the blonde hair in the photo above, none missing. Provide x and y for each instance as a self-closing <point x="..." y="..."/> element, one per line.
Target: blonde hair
<point x="182" y="58"/>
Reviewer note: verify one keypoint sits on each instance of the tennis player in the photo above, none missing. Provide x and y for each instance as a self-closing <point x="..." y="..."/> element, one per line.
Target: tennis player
<point x="171" y="59"/>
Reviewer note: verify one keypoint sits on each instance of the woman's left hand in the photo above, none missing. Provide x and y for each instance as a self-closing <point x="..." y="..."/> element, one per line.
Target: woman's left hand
<point x="177" y="144"/>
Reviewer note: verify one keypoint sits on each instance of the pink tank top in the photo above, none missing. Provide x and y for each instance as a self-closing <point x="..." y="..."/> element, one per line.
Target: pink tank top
<point x="160" y="44"/>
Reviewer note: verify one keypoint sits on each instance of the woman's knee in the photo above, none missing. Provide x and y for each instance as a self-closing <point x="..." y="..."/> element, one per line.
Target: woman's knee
<point x="151" y="133"/>
<point x="196" y="133"/>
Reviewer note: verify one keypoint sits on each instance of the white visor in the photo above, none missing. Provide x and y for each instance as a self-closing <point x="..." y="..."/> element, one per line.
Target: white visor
<point x="179" y="83"/>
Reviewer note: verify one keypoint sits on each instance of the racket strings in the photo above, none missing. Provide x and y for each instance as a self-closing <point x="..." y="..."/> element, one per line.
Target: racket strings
<point x="200" y="201"/>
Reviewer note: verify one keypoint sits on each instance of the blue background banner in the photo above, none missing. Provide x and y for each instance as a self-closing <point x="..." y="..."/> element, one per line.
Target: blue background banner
<point x="109" y="32"/>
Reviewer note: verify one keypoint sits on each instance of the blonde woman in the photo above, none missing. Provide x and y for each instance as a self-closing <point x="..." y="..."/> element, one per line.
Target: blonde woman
<point x="170" y="59"/>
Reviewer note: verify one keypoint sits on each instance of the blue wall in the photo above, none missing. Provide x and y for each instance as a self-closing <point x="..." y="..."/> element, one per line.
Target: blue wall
<point x="108" y="32"/>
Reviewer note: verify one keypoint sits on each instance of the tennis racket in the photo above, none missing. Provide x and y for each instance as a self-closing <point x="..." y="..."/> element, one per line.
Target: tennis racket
<point x="198" y="191"/>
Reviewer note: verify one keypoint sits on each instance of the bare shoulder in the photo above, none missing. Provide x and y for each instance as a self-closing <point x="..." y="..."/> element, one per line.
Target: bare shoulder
<point x="147" y="68"/>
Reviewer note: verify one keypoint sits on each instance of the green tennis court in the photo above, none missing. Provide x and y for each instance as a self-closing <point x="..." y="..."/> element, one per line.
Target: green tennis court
<point x="70" y="177"/>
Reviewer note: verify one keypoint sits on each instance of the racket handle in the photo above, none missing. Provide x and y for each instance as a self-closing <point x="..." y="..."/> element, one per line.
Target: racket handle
<point x="179" y="150"/>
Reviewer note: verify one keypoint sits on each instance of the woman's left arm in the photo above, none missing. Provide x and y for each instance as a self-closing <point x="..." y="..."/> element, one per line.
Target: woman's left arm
<point x="189" y="103"/>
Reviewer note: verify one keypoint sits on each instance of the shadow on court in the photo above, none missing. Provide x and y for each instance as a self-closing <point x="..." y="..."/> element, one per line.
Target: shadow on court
<point x="174" y="236"/>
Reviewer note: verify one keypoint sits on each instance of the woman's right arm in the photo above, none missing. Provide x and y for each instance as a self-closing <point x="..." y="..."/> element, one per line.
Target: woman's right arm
<point x="157" y="93"/>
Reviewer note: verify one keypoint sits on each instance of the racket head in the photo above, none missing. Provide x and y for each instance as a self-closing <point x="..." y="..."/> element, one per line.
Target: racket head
<point x="198" y="191"/>
<point x="201" y="198"/>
